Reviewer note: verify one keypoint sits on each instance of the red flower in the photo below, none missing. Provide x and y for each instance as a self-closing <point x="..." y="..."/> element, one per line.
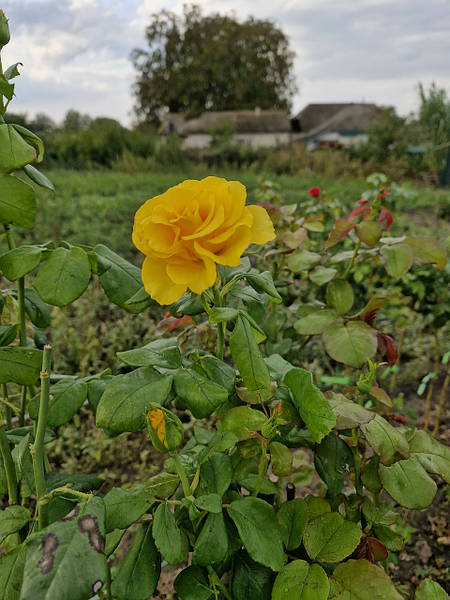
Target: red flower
<point x="314" y="192"/>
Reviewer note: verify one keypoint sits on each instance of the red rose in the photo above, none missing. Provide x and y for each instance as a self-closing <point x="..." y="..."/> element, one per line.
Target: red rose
<point x="314" y="192"/>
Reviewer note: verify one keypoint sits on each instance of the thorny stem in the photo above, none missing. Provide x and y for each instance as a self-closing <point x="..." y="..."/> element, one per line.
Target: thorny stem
<point x="357" y="461"/>
<point x="23" y="406"/>
<point x="431" y="386"/>
<point x="352" y="262"/>
<point x="11" y="478"/>
<point x="37" y="449"/>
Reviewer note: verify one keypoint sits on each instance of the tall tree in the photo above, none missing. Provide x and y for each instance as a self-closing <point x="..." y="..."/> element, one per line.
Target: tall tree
<point x="195" y="63"/>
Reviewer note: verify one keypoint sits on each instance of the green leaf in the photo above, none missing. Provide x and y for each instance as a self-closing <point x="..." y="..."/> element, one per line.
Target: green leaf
<point x="138" y="575"/>
<point x="125" y="400"/>
<point x="361" y="580"/>
<point x="250" y="579"/>
<point x="302" y="260"/>
<point x="189" y="304"/>
<point x="407" y="482"/>
<point x="19" y="261"/>
<point x="348" y="414"/>
<point x="12" y="519"/>
<point x="281" y="459"/>
<point x="222" y="314"/>
<point x="216" y="473"/>
<point x="339" y="230"/>
<point x="247" y="356"/>
<point x="11" y="573"/>
<point x="125" y="507"/>
<point x="212" y="543"/>
<point x="14" y="150"/>
<point x="339" y="296"/>
<point x="81" y="482"/>
<point x="159" y="353"/>
<point x="218" y="371"/>
<point x="12" y="71"/>
<point x="397" y="259"/>
<point x="8" y="334"/>
<point x="17" y="202"/>
<point x="301" y="581"/>
<point x="321" y="275"/>
<point x="20" y="365"/>
<point x="386" y="441"/>
<point x="169" y="539"/>
<point x="352" y="343"/>
<point x="329" y="538"/>
<point x="333" y="460"/>
<point x="53" y="553"/>
<point x="258" y="530"/>
<point x="162" y="485"/>
<point x="430" y="590"/>
<point x="66" y="398"/>
<point x="38" y="177"/>
<point x="63" y="277"/>
<point x="369" y="232"/>
<point x="210" y="502"/>
<point x="120" y="279"/>
<point x="36" y="309"/>
<point x="201" y="395"/>
<point x="292" y="516"/>
<point x="263" y="283"/>
<point x="433" y="456"/>
<point x="310" y="403"/>
<point x="428" y="249"/>
<point x="191" y="584"/>
<point x="392" y="540"/>
<point x="31" y="138"/>
<point x="242" y="421"/>
<point x="315" y="322"/>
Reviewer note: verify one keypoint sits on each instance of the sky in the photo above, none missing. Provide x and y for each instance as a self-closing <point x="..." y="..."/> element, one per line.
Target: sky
<point x="76" y="53"/>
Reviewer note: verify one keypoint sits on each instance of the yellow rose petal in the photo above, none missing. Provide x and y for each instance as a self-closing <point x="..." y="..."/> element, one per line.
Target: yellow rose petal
<point x="262" y="228"/>
<point x="158" y="284"/>
<point x="197" y="275"/>
<point x="228" y="253"/>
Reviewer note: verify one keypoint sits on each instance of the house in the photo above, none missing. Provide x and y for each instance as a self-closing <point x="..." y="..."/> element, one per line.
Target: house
<point x="317" y="125"/>
<point x="259" y="128"/>
<point x="334" y="125"/>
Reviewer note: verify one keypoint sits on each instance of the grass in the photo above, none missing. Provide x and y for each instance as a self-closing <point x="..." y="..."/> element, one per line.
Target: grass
<point x="98" y="206"/>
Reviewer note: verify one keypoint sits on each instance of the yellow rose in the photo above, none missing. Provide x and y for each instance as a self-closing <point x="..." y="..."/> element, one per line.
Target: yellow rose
<point x="190" y="229"/>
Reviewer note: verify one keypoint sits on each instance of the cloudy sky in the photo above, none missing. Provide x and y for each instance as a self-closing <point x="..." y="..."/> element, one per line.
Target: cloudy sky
<point x="75" y="53"/>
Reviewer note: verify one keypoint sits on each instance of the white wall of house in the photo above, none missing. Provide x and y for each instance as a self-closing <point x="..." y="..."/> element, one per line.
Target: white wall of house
<point x="257" y="140"/>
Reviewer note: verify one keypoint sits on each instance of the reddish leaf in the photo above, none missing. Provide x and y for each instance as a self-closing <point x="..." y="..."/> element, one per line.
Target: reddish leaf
<point x="371" y="549"/>
<point x="363" y="201"/>
<point x="359" y="210"/>
<point x="386" y="216"/>
<point x="387" y="348"/>
<point x="380" y="395"/>
<point x="370" y="315"/>
<point x="339" y="231"/>
<point x="395" y="417"/>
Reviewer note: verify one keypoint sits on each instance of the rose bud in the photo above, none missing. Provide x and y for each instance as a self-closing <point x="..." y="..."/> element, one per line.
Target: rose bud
<point x="165" y="429"/>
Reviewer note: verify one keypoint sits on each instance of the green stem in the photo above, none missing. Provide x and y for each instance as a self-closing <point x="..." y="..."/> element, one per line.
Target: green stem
<point x="182" y="474"/>
<point x="357" y="461"/>
<point x="11" y="478"/>
<point x="38" y="446"/>
<point x="352" y="262"/>
<point x="215" y="580"/>
<point x="7" y="407"/>
<point x="220" y="327"/>
<point x="21" y="302"/>
<point x="66" y="490"/>
<point x="23" y="406"/>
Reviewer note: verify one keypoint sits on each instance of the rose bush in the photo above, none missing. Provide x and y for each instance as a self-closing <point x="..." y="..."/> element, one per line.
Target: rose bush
<point x="190" y="229"/>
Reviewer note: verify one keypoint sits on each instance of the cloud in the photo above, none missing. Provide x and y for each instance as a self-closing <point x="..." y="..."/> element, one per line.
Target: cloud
<point x="76" y="52"/>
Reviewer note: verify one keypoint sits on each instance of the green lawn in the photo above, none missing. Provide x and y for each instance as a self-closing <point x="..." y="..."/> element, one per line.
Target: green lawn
<point x="98" y="206"/>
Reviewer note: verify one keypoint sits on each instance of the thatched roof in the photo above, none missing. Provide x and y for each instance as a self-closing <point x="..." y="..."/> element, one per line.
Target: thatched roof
<point x="243" y="121"/>
<point x="348" y="117"/>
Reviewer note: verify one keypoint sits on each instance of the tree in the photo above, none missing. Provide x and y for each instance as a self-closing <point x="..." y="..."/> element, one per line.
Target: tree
<point x="197" y="63"/>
